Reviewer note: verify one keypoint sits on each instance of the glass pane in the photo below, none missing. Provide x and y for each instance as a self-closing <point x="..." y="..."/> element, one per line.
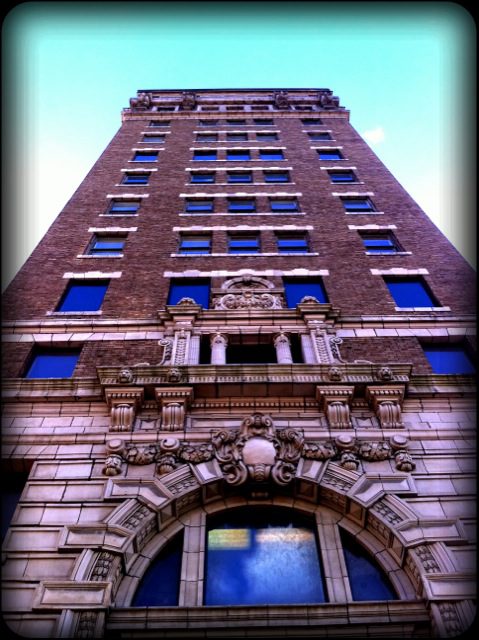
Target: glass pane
<point x="83" y="297"/>
<point x="298" y="288"/>
<point x="53" y="365"/>
<point x="262" y="558"/>
<point x="367" y="580"/>
<point x="410" y="293"/>
<point x="449" y="359"/>
<point x="160" y="585"/>
<point x="198" y="289"/>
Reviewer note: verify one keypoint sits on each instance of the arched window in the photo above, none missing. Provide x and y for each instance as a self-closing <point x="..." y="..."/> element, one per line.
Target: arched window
<point x="161" y="583"/>
<point x="367" y="580"/>
<point x="262" y="557"/>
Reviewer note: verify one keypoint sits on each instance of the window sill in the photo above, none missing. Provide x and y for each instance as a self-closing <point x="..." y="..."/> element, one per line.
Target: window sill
<point x="422" y="308"/>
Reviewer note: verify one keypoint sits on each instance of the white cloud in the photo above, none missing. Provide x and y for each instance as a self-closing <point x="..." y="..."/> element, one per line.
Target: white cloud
<point x="374" y="136"/>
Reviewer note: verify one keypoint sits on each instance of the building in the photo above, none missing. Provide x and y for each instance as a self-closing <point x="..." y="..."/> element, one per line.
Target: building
<point x="238" y="388"/>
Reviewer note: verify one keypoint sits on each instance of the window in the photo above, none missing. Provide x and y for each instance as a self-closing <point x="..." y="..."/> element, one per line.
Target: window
<point x="202" y="177"/>
<point x="103" y="245"/>
<point x="145" y="156"/>
<point x="197" y="244"/>
<point x="238" y="154"/>
<point x="150" y="138"/>
<point x="367" y="580"/>
<point x="262" y="137"/>
<point x="296" y="289"/>
<point x="208" y="123"/>
<point x="196" y="288"/>
<point x="160" y="586"/>
<point x="239" y="177"/>
<point x="236" y="137"/>
<point x="53" y="363"/>
<point x="207" y="137"/>
<point x="271" y="154"/>
<point x="449" y="358"/>
<point x="326" y="154"/>
<point x="199" y="206"/>
<point x="276" y="176"/>
<point x="292" y="243"/>
<point x="204" y="155"/>
<point x="263" y="121"/>
<point x="319" y="136"/>
<point x="311" y="121"/>
<point x="283" y="206"/>
<point x="410" y="292"/>
<point x="381" y="243"/>
<point x="241" y="206"/>
<point x="160" y="123"/>
<point x="357" y="205"/>
<point x="83" y="295"/>
<point x="247" y="547"/>
<point x="235" y="121"/>
<point x="135" y="178"/>
<point x="338" y="177"/>
<point x="124" y="207"/>
<point x="243" y="243"/>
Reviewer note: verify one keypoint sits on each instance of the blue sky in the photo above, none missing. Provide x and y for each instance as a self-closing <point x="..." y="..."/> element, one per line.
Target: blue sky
<point x="405" y="70"/>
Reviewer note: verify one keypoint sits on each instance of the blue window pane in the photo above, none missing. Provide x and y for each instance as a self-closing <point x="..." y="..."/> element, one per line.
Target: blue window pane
<point x="196" y="288"/>
<point x="367" y="580"/>
<point x="53" y="364"/>
<point x="276" y="177"/>
<point x="240" y="177"/>
<point x="202" y="177"/>
<point x="160" y="586"/>
<point x="144" y="156"/>
<point x="271" y="155"/>
<point x="262" y="558"/>
<point x="238" y="155"/>
<point x="330" y="155"/>
<point x="297" y="288"/>
<point x="449" y="358"/>
<point x="204" y="155"/>
<point x="342" y="176"/>
<point x="12" y="488"/>
<point x="83" y="296"/>
<point x="136" y="179"/>
<point x="410" y="292"/>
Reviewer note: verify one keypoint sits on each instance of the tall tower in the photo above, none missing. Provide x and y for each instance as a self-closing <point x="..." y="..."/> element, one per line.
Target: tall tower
<point x="238" y="388"/>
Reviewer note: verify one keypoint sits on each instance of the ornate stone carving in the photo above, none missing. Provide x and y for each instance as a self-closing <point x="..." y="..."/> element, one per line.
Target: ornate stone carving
<point x="188" y="100"/>
<point x="124" y="403"/>
<point x="282" y="345"/>
<point x="173" y="403"/>
<point x="335" y="402"/>
<point x="327" y="100"/>
<point x="281" y="100"/>
<point x="248" y="300"/>
<point x="386" y="402"/>
<point x="218" y="344"/>
<point x="142" y="102"/>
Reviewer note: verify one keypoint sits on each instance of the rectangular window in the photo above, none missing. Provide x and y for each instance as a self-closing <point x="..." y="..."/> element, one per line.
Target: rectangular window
<point x="160" y="123"/>
<point x="263" y="121"/>
<point x="449" y="358"/>
<point x="236" y="137"/>
<point x="271" y="154"/>
<point x="103" y="245"/>
<point x="123" y="207"/>
<point x="357" y="205"/>
<point x="149" y="138"/>
<point x="382" y="242"/>
<point x="296" y="289"/>
<point x="284" y="205"/>
<point x="199" y="205"/>
<point x="235" y="177"/>
<point x="311" y="121"/>
<point x="136" y="178"/>
<point x="263" y="137"/>
<point x="145" y="156"/>
<point x="241" y="206"/>
<point x="202" y="177"/>
<point x="204" y="155"/>
<point x="338" y="177"/>
<point x="235" y="121"/>
<point x="318" y="136"/>
<point x="238" y="154"/>
<point x="208" y="123"/>
<point x="410" y="292"/>
<point x="292" y="243"/>
<point x="207" y="137"/>
<point x="197" y="244"/>
<point x="243" y="243"/>
<point x="276" y="176"/>
<point x="196" y="288"/>
<point x="83" y="295"/>
<point x="326" y="154"/>
<point x="53" y="363"/>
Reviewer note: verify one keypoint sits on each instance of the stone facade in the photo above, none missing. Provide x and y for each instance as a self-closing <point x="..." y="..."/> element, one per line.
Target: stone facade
<point x="157" y="430"/>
